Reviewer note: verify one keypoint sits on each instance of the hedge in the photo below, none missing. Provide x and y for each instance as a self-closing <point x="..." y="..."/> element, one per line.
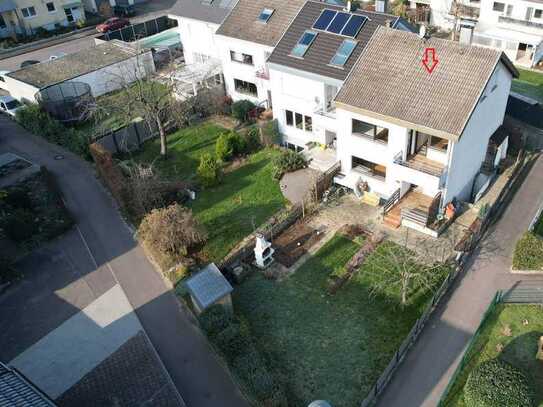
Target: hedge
<point x="497" y="383"/>
<point x="288" y="161"/>
<point x="528" y="254"/>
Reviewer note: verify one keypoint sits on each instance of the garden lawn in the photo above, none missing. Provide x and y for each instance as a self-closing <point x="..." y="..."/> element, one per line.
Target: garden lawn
<point x="185" y="147"/>
<point x="245" y="199"/>
<point x="529" y="83"/>
<point x="331" y="347"/>
<point x="519" y="349"/>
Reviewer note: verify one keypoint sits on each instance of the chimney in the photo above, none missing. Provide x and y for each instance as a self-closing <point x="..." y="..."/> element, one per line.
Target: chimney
<point x="348" y="6"/>
<point x="466" y="34"/>
<point x="380" y="6"/>
<point x="388" y="23"/>
<point x="422" y="31"/>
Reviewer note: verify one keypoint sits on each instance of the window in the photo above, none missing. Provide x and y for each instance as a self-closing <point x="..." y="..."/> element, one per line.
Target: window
<point x="290" y="117"/>
<point x="299" y="120"/>
<point x="368" y="168"/>
<point x="439" y="143"/>
<point x="498" y="6"/>
<point x="509" y="10"/>
<point x="247" y="88"/>
<point x="343" y="53"/>
<point x="50" y="7"/>
<point x="28" y="12"/>
<point x="529" y="11"/>
<point x="538" y="13"/>
<point x="303" y="44"/>
<point x="69" y="15"/>
<point x="241" y="58"/>
<point x="371" y="131"/>
<point x="265" y="15"/>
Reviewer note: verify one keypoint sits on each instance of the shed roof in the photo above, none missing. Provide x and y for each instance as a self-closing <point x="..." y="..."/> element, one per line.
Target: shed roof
<point x="16" y="390"/>
<point x="208" y="286"/>
<point x="390" y="81"/>
<point x="211" y="11"/>
<point x="242" y="23"/>
<point x="74" y="65"/>
<point x="317" y="58"/>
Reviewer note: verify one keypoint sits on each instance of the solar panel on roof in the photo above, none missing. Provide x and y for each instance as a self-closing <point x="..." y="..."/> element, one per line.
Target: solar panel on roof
<point x="338" y="23"/>
<point x="324" y="19"/>
<point x="354" y="25"/>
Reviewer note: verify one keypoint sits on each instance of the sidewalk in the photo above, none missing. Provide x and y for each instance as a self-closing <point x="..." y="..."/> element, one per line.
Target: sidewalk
<point x="428" y="367"/>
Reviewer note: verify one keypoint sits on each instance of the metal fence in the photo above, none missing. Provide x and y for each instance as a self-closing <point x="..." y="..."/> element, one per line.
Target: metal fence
<point x="460" y="262"/>
<point x="138" y="31"/>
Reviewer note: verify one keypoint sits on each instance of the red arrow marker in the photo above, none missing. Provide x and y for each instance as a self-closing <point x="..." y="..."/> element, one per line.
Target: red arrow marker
<point x="430" y="60"/>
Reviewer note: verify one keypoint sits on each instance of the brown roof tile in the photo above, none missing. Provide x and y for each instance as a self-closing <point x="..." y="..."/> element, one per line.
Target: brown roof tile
<point x="242" y="22"/>
<point x="390" y="81"/>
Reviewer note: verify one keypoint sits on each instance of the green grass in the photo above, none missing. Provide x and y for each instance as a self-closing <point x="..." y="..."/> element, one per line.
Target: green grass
<point x="519" y="349"/>
<point x="185" y="147"/>
<point x="529" y="83"/>
<point x="331" y="347"/>
<point x="245" y="199"/>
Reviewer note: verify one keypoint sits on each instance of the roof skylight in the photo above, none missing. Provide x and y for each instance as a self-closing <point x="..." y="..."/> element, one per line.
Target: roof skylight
<point x="303" y="44"/>
<point x="343" y="53"/>
<point x="265" y="15"/>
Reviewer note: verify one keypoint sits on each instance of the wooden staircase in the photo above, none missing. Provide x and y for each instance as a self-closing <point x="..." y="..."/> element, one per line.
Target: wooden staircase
<point x="393" y="219"/>
<point x="370" y="199"/>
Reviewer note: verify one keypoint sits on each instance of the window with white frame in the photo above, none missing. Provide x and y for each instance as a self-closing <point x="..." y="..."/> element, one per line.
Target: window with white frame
<point x="50" y="7"/>
<point x="538" y="13"/>
<point x="298" y="120"/>
<point x="28" y="12"/>
<point x="241" y="58"/>
<point x="498" y="6"/>
<point x="245" y="87"/>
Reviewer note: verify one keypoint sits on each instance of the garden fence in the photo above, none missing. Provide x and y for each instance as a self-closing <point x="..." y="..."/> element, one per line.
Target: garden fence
<point x="460" y="261"/>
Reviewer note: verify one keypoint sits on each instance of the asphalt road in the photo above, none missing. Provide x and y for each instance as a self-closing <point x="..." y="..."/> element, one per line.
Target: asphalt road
<point x="196" y="372"/>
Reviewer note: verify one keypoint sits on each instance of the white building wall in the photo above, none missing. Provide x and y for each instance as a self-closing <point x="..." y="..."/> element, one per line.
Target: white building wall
<point x="470" y="151"/>
<point x="20" y="90"/>
<point x="245" y="72"/>
<point x="197" y="38"/>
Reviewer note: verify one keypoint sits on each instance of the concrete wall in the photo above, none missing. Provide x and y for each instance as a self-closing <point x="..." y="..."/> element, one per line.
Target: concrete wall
<point x="470" y="151"/>
<point x="236" y="70"/>
<point x="197" y="37"/>
<point x="20" y="90"/>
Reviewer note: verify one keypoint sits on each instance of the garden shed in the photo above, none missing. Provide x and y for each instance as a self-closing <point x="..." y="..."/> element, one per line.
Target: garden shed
<point x="208" y="287"/>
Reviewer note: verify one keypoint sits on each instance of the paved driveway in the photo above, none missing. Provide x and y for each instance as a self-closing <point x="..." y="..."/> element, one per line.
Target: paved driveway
<point x="196" y="372"/>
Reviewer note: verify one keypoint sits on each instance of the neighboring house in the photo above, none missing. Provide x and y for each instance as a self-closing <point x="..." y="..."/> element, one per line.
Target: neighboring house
<point x="24" y="17"/>
<point x="104" y="67"/>
<point x="514" y="26"/>
<point x="309" y="65"/>
<point x="407" y="133"/>
<point x="17" y="390"/>
<point x="246" y="39"/>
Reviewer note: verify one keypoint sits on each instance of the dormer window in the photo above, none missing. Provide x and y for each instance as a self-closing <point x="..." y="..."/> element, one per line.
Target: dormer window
<point x="303" y="44"/>
<point x="265" y="15"/>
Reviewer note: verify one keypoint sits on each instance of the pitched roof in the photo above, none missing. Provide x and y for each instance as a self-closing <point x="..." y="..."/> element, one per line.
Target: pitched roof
<point x="16" y="390"/>
<point x="211" y="11"/>
<point x="207" y="286"/>
<point x="243" y="23"/>
<point x="389" y="81"/>
<point x="74" y="65"/>
<point x="317" y="58"/>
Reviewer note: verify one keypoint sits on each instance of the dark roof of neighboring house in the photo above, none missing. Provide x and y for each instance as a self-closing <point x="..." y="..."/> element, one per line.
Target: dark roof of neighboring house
<point x="7" y="5"/>
<point x="73" y="65"/>
<point x="317" y="58"/>
<point x="211" y="11"/>
<point x="389" y="81"/>
<point x="522" y="109"/>
<point x="242" y="22"/>
<point x="16" y="390"/>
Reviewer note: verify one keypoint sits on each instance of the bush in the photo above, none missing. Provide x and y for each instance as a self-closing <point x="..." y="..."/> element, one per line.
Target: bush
<point x="172" y="230"/>
<point x="241" y="109"/>
<point x="252" y="140"/>
<point x="19" y="225"/>
<point x="229" y="145"/>
<point x="177" y="273"/>
<point x="288" y="161"/>
<point x="209" y="171"/>
<point x="18" y="198"/>
<point x="497" y="383"/>
<point x="37" y="121"/>
<point x="528" y="254"/>
<point x="215" y="319"/>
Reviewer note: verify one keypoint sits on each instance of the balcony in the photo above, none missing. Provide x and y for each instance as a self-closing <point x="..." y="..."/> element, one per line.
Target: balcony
<point x="465" y="11"/>
<point x="518" y="21"/>
<point x="420" y="162"/>
<point x="419" y="170"/>
<point x="325" y="118"/>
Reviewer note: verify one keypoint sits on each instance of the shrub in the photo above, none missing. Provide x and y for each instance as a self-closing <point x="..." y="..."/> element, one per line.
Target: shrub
<point x="19" y="225"/>
<point x="177" y="273"/>
<point x="497" y="383"/>
<point x="528" y="254"/>
<point x="172" y="230"/>
<point x="37" y="121"/>
<point x="209" y="171"/>
<point x="18" y="198"/>
<point x="215" y="319"/>
<point x="241" y="109"/>
<point x="229" y="145"/>
<point x="287" y="161"/>
<point x="252" y="140"/>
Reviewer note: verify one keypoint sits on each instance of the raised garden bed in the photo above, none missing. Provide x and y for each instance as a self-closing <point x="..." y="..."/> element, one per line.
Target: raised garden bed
<point x="294" y="242"/>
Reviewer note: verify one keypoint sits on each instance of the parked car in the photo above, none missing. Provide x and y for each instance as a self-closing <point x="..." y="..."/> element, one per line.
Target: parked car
<point x="3" y="80"/>
<point x="124" y="10"/>
<point x="111" y="24"/>
<point x="9" y="105"/>
<point x="29" y="62"/>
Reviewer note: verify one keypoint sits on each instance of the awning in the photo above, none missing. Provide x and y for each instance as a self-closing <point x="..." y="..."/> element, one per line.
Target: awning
<point x="7" y="5"/>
